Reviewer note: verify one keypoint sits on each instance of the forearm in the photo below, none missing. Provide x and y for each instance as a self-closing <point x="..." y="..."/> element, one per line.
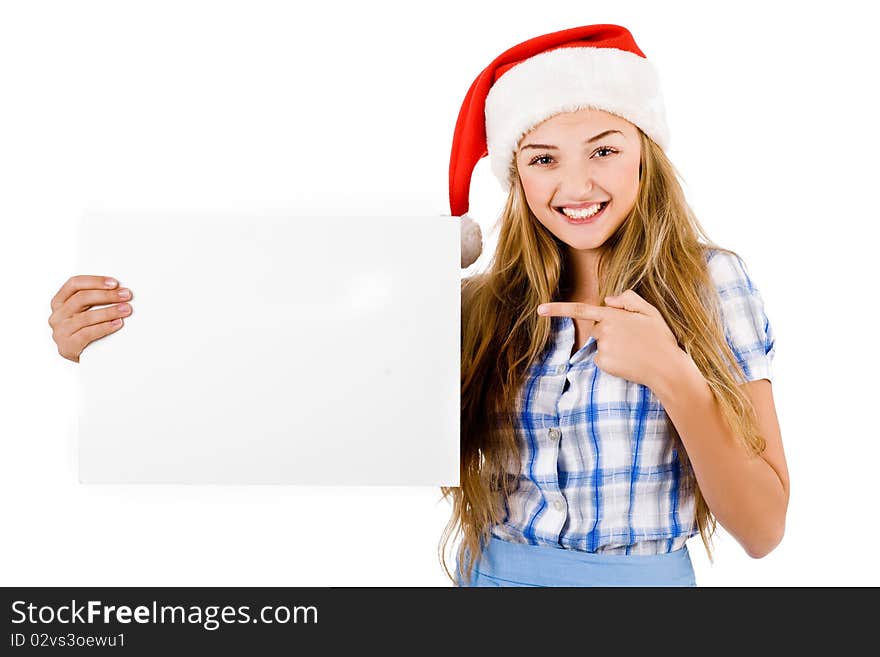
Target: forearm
<point x="743" y="491"/>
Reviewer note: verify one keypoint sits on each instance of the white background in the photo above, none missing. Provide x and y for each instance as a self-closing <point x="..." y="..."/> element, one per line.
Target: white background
<point x="243" y="105"/>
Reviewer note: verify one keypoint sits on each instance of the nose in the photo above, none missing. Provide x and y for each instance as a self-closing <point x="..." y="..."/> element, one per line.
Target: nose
<point x="577" y="180"/>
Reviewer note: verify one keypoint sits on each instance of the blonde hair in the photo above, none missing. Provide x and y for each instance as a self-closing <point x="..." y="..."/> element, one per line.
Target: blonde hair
<point x="656" y="251"/>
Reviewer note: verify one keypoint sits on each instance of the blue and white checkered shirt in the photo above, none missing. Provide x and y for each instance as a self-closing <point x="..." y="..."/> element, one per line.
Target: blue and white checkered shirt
<point x="599" y="469"/>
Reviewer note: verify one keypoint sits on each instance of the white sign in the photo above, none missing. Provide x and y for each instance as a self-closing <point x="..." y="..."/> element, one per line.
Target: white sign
<point x="274" y="348"/>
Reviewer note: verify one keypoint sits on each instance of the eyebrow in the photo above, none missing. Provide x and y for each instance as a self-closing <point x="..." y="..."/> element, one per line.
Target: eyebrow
<point x="549" y="147"/>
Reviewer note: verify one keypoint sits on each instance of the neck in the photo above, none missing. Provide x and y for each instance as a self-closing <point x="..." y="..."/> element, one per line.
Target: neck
<point x="583" y="276"/>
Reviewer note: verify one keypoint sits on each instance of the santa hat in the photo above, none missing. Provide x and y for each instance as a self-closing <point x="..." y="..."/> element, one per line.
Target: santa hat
<point x="598" y="66"/>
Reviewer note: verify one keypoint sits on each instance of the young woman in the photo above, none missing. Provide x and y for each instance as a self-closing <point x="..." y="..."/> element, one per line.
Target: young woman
<point x="615" y="372"/>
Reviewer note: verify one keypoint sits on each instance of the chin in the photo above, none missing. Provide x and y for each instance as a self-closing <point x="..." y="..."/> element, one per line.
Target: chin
<point x="584" y="238"/>
<point x="581" y="239"/>
<point x="584" y="245"/>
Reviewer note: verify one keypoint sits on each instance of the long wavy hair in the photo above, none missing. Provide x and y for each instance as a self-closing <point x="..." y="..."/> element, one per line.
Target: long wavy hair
<point x="657" y="252"/>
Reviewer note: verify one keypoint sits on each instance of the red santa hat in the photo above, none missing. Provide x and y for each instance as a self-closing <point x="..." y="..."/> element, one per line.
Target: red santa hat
<point x="598" y="66"/>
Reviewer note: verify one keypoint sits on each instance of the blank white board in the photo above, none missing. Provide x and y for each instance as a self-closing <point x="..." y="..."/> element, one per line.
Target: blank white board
<point x="274" y="347"/>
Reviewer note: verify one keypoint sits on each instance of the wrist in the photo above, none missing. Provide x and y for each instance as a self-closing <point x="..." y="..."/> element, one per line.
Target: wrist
<point x="677" y="375"/>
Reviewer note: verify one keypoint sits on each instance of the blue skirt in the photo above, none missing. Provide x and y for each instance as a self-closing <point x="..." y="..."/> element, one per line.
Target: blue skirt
<point x="504" y="563"/>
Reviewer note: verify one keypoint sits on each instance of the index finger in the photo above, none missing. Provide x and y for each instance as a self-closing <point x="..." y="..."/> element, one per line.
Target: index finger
<point x="573" y="309"/>
<point x="82" y="282"/>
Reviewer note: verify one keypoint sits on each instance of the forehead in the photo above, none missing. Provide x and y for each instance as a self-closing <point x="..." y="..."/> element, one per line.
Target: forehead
<point x="579" y="121"/>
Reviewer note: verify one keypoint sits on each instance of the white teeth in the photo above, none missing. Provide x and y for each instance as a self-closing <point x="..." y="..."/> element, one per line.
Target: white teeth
<point x="583" y="212"/>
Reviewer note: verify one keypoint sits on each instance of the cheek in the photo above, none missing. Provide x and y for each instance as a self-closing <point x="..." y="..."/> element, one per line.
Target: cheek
<point x="532" y="188"/>
<point x="538" y="192"/>
<point x="632" y="179"/>
<point x="624" y="186"/>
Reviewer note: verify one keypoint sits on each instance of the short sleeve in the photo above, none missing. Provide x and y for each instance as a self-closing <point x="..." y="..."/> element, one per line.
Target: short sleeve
<point x="746" y="326"/>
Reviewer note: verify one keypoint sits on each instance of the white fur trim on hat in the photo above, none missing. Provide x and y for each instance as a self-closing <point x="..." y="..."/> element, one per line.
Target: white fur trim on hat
<point x="471" y="241"/>
<point x="564" y="80"/>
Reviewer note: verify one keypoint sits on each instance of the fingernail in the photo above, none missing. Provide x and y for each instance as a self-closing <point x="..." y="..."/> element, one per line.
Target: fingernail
<point x="110" y="282"/>
<point x="542" y="310"/>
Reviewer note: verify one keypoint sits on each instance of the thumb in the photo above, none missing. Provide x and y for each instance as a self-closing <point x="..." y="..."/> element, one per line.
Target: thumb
<point x="632" y="302"/>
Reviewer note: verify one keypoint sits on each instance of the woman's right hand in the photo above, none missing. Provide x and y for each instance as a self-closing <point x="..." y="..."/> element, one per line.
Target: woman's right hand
<point x="74" y="326"/>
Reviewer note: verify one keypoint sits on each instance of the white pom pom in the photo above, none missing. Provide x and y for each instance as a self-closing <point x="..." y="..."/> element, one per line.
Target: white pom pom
<point x="471" y="241"/>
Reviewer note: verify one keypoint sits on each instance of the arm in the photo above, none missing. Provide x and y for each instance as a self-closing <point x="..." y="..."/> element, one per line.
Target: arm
<point x="748" y="494"/>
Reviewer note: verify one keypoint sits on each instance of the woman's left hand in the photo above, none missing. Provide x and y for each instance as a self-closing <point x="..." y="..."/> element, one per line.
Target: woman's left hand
<point x="633" y="340"/>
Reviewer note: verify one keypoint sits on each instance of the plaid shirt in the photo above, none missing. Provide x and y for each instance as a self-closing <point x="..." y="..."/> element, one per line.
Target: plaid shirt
<point x="599" y="470"/>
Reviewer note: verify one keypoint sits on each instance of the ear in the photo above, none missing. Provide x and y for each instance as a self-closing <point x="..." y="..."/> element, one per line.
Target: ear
<point x="471" y="241"/>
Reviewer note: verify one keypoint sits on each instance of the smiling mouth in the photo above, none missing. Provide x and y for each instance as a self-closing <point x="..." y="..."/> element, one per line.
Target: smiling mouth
<point x="583" y="220"/>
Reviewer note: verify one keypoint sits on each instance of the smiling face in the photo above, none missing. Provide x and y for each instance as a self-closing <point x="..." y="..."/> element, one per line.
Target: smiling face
<point x="579" y="159"/>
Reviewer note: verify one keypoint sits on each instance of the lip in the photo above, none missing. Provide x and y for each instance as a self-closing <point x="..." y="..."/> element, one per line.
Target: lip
<point x="588" y="220"/>
<point x="580" y="206"/>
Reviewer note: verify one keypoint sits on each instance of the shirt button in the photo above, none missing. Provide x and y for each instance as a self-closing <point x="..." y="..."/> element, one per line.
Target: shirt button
<point x="559" y="504"/>
<point x="554" y="433"/>
<point x="561" y="369"/>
